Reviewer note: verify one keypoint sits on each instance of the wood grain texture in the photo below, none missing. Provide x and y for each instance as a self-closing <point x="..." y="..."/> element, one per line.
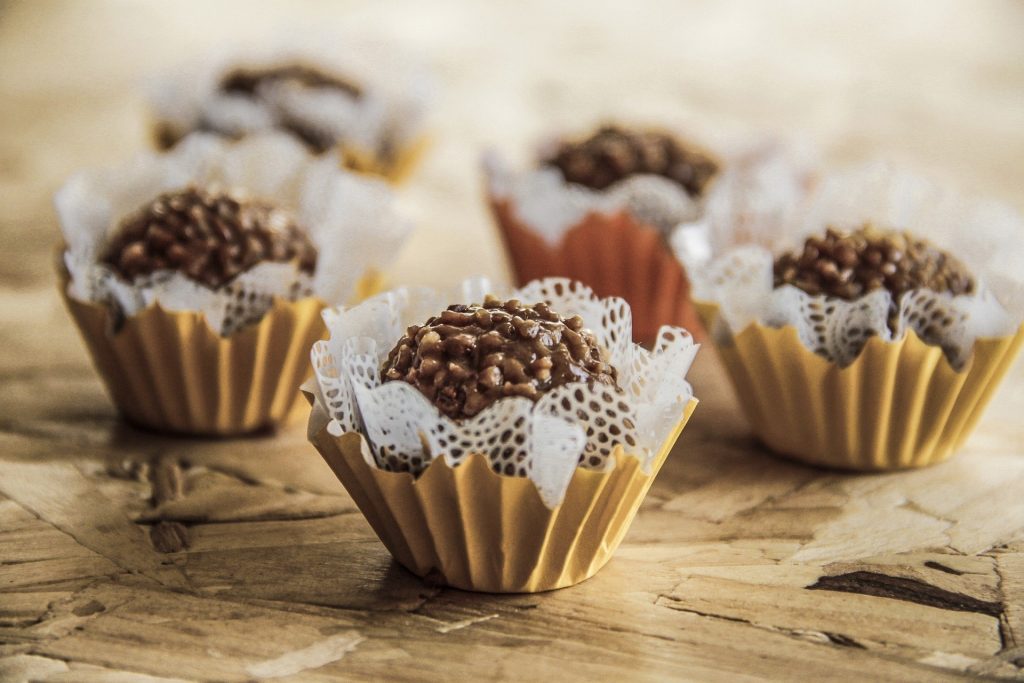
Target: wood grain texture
<point x="126" y="556"/>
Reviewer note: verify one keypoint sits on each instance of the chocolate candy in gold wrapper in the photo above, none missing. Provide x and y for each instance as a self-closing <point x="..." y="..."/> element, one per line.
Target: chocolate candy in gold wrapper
<point x="899" y="405"/>
<point x="473" y="529"/>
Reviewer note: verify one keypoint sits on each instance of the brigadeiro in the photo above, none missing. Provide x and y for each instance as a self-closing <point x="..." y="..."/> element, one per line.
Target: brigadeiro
<point x="197" y="276"/>
<point x="613" y="154"/>
<point x="614" y="207"/>
<point x="470" y="356"/>
<point x="356" y="101"/>
<point x="876" y="340"/>
<point x="528" y="421"/>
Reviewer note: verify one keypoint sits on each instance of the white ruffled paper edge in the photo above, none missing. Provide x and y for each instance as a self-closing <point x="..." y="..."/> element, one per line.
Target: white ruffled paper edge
<point x="986" y="235"/>
<point x="394" y="417"/>
<point x="550" y="206"/>
<point x="761" y="180"/>
<point x="396" y="92"/>
<point x="350" y="219"/>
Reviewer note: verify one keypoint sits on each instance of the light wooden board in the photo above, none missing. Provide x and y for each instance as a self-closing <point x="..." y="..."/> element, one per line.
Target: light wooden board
<point x="739" y="566"/>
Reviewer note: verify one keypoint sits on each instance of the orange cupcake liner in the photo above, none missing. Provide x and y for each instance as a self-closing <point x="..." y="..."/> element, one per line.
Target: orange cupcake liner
<point x="473" y="529"/>
<point x="615" y="255"/>
<point x="899" y="405"/>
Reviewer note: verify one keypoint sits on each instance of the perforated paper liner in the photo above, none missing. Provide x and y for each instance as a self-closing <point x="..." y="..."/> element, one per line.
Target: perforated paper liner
<point x="381" y="132"/>
<point x="616" y="255"/>
<point x="899" y="404"/>
<point x="470" y="528"/>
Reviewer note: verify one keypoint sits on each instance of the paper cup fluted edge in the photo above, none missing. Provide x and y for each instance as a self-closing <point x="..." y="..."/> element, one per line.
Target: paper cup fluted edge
<point x="899" y="405"/>
<point x="473" y="529"/>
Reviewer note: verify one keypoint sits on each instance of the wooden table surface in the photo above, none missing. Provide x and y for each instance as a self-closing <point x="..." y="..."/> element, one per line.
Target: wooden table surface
<point x="739" y="565"/>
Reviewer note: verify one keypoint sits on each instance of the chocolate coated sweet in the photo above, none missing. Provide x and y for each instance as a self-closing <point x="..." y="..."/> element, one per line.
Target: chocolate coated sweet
<point x="470" y="356"/>
<point x="209" y="236"/>
<point x="248" y="81"/>
<point x="255" y="82"/>
<point x="612" y="154"/>
<point x="849" y="265"/>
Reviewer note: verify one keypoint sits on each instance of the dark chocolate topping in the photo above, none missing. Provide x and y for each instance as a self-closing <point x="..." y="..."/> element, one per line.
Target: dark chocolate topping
<point x="470" y="356"/>
<point x="250" y="83"/>
<point x="849" y="265"/>
<point x="209" y="236"/>
<point x="612" y="154"/>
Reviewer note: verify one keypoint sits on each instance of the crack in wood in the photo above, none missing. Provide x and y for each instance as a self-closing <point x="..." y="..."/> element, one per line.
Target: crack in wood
<point x="845" y="641"/>
<point x="911" y="590"/>
<point x="1007" y="638"/>
<point x="831" y="637"/>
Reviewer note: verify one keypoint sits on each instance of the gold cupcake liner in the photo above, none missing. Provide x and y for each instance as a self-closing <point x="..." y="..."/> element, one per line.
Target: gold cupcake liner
<point x="473" y="529"/>
<point x="395" y="170"/>
<point x="169" y="371"/>
<point x="615" y="255"/>
<point x="898" y="405"/>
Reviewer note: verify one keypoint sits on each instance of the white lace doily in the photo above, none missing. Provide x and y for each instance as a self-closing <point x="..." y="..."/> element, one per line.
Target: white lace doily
<point x="390" y="111"/>
<point x="988" y="237"/>
<point x="759" y="191"/>
<point x="760" y="184"/>
<point x="350" y="219"/>
<point x="551" y="206"/>
<point x="573" y="425"/>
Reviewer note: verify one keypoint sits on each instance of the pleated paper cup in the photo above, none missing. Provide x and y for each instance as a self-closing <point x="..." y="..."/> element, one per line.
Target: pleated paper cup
<point x="169" y="371"/>
<point x="615" y="255"/>
<point x="473" y="529"/>
<point x="899" y="405"/>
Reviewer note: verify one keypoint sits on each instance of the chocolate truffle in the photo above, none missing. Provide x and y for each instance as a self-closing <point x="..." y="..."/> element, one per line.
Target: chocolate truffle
<point x="209" y="236"/>
<point x="613" y="154"/>
<point x="469" y="356"/>
<point x="848" y="265"/>
<point x="248" y="81"/>
<point x="255" y="82"/>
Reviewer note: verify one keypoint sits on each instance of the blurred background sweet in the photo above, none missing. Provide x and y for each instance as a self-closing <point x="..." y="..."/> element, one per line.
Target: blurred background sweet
<point x="936" y="87"/>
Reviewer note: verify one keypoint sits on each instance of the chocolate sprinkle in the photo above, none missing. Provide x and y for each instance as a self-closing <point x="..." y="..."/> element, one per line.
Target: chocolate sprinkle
<point x="848" y="265"/>
<point x="209" y="236"/>
<point x="470" y="356"/>
<point x="613" y="154"/>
